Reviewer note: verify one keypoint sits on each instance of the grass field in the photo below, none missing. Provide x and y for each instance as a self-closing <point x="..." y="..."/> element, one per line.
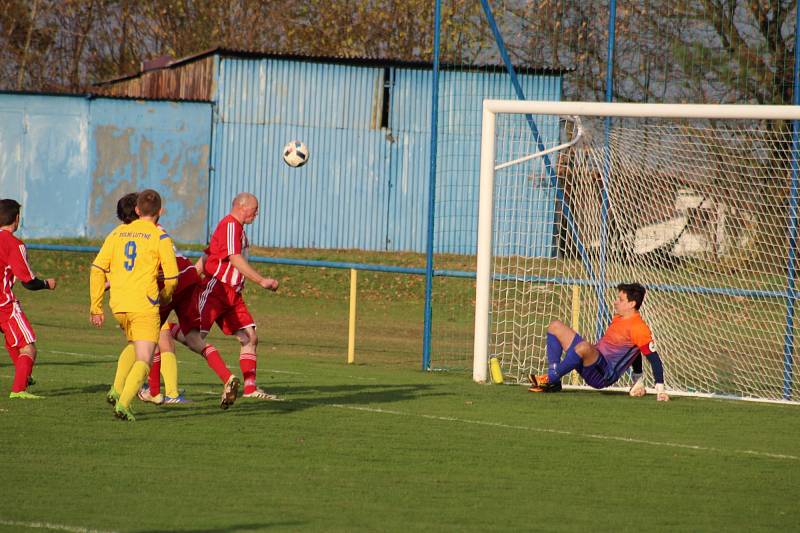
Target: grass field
<point x="375" y="446"/>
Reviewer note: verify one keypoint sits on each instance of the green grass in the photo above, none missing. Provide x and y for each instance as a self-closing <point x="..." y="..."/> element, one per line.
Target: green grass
<point x="374" y="446"/>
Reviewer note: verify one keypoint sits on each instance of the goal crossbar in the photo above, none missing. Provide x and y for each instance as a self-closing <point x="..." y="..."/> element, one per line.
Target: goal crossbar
<point x="601" y="109"/>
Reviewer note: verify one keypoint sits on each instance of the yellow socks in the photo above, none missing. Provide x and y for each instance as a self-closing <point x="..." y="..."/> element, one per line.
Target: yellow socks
<point x="133" y="383"/>
<point x="169" y="369"/>
<point x="124" y="364"/>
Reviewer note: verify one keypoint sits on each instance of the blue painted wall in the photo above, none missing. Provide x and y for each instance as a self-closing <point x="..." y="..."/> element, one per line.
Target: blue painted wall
<point x="365" y="185"/>
<point x="138" y="145"/>
<point x="44" y="158"/>
<point x="337" y="200"/>
<point x="67" y="159"/>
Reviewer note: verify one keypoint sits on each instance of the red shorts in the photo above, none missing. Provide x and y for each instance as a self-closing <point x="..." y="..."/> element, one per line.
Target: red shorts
<point x="219" y="302"/>
<point x="185" y="306"/>
<point x="15" y="326"/>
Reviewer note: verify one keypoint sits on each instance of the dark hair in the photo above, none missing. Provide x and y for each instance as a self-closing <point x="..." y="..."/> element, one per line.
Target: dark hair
<point x="9" y="209"/>
<point x="634" y="292"/>
<point x="149" y="203"/>
<point x="126" y="208"/>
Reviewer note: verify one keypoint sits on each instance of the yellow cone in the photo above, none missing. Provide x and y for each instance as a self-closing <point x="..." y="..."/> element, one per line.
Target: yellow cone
<point x="497" y="374"/>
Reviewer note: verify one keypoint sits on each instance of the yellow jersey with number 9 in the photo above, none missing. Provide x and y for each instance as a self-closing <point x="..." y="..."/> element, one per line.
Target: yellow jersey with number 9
<point x="130" y="258"/>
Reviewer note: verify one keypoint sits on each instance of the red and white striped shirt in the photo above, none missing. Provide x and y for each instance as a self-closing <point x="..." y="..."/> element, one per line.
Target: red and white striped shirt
<point x="13" y="265"/>
<point x="228" y="239"/>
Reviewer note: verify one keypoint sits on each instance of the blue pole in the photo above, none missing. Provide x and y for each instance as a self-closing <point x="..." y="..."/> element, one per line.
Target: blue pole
<point x="602" y="313"/>
<point x="791" y="295"/>
<point x="426" y="334"/>
<point x="551" y="174"/>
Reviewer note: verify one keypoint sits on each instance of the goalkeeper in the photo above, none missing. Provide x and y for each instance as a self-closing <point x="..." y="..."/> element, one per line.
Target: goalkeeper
<point x="601" y="365"/>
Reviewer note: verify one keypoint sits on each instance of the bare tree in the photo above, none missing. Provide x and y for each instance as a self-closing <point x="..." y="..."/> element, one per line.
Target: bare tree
<point x="684" y="50"/>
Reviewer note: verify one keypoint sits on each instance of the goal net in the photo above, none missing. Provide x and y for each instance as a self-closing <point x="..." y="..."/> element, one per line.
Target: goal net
<point x="697" y="203"/>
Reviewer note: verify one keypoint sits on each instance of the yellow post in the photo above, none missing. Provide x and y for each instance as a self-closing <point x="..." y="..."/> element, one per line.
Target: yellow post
<point x="576" y="315"/>
<point x="576" y="306"/>
<point x="351" y="337"/>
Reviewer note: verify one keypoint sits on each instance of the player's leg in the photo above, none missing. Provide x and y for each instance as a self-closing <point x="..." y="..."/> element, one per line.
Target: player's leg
<point x="596" y="374"/>
<point x="169" y="365"/>
<point x="151" y="389"/>
<point x="194" y="339"/>
<point x="13" y="353"/>
<point x="560" y="337"/>
<point x="22" y="373"/>
<point x="20" y="335"/>
<point x="210" y="302"/>
<point x="238" y="321"/>
<point x="124" y="363"/>
<point x="579" y="353"/>
<point x="190" y="322"/>
<point x="248" y="339"/>
<point x="142" y="330"/>
<point x="248" y="344"/>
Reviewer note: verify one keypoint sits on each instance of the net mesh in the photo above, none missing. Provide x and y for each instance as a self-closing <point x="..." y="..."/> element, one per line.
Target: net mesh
<point x="698" y="212"/>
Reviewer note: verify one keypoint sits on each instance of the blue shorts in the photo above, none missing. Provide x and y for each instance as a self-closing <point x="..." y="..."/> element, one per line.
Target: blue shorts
<point x="596" y="374"/>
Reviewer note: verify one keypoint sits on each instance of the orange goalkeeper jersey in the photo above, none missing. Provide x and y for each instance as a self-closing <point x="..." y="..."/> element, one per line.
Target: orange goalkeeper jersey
<point x="624" y="339"/>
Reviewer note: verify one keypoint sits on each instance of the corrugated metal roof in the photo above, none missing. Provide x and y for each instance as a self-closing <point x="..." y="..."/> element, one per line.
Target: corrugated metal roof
<point x="335" y="59"/>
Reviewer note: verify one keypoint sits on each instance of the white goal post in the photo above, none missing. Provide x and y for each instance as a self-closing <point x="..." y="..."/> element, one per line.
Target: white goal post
<point x="697" y="202"/>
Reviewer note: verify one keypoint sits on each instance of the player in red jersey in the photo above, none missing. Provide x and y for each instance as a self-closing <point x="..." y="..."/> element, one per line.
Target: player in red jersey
<point x="187" y="331"/>
<point x="225" y="268"/>
<point x="622" y="346"/>
<point x="19" y="335"/>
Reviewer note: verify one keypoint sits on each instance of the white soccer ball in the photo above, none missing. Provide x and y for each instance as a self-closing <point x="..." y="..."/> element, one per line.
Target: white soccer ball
<point x="295" y="154"/>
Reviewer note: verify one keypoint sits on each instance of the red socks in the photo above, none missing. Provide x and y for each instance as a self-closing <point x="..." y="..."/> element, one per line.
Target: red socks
<point x="24" y="365"/>
<point x="247" y="362"/>
<point x="13" y="353"/>
<point x="211" y="355"/>
<point x="154" y="382"/>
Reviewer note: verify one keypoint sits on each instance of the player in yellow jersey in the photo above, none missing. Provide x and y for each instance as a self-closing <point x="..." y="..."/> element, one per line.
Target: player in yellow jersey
<point x="130" y="258"/>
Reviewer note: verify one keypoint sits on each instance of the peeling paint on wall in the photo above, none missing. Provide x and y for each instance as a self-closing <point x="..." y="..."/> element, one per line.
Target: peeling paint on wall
<point x="158" y="145"/>
<point x="69" y="159"/>
<point x="114" y="173"/>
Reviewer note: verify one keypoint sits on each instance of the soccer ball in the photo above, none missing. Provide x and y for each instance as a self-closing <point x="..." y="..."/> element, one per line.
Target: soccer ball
<point x="295" y="154"/>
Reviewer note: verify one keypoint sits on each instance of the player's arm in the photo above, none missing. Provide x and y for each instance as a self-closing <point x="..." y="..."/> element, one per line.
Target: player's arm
<point x="169" y="265"/>
<point x="234" y="252"/>
<point x="200" y="265"/>
<point x="658" y="371"/>
<point x="37" y="284"/>
<point x="243" y="266"/>
<point x="100" y="268"/>
<point x="643" y="338"/>
<point x="22" y="271"/>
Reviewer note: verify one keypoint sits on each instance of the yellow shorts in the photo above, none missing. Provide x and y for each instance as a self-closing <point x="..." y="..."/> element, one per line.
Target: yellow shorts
<point x="165" y="327"/>
<point x="140" y="326"/>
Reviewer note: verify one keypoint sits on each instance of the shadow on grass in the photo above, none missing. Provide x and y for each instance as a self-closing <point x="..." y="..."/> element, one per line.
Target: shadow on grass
<point x="306" y="397"/>
<point x="75" y="362"/>
<point x="229" y="529"/>
<point x="71" y="391"/>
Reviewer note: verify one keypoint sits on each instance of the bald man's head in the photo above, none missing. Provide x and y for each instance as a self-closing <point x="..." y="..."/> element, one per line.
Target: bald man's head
<point x="244" y="207"/>
<point x="243" y="199"/>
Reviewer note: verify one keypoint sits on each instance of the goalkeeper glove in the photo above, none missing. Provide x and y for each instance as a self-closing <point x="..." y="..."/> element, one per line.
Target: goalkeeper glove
<point x="638" y="389"/>
<point x="661" y="394"/>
